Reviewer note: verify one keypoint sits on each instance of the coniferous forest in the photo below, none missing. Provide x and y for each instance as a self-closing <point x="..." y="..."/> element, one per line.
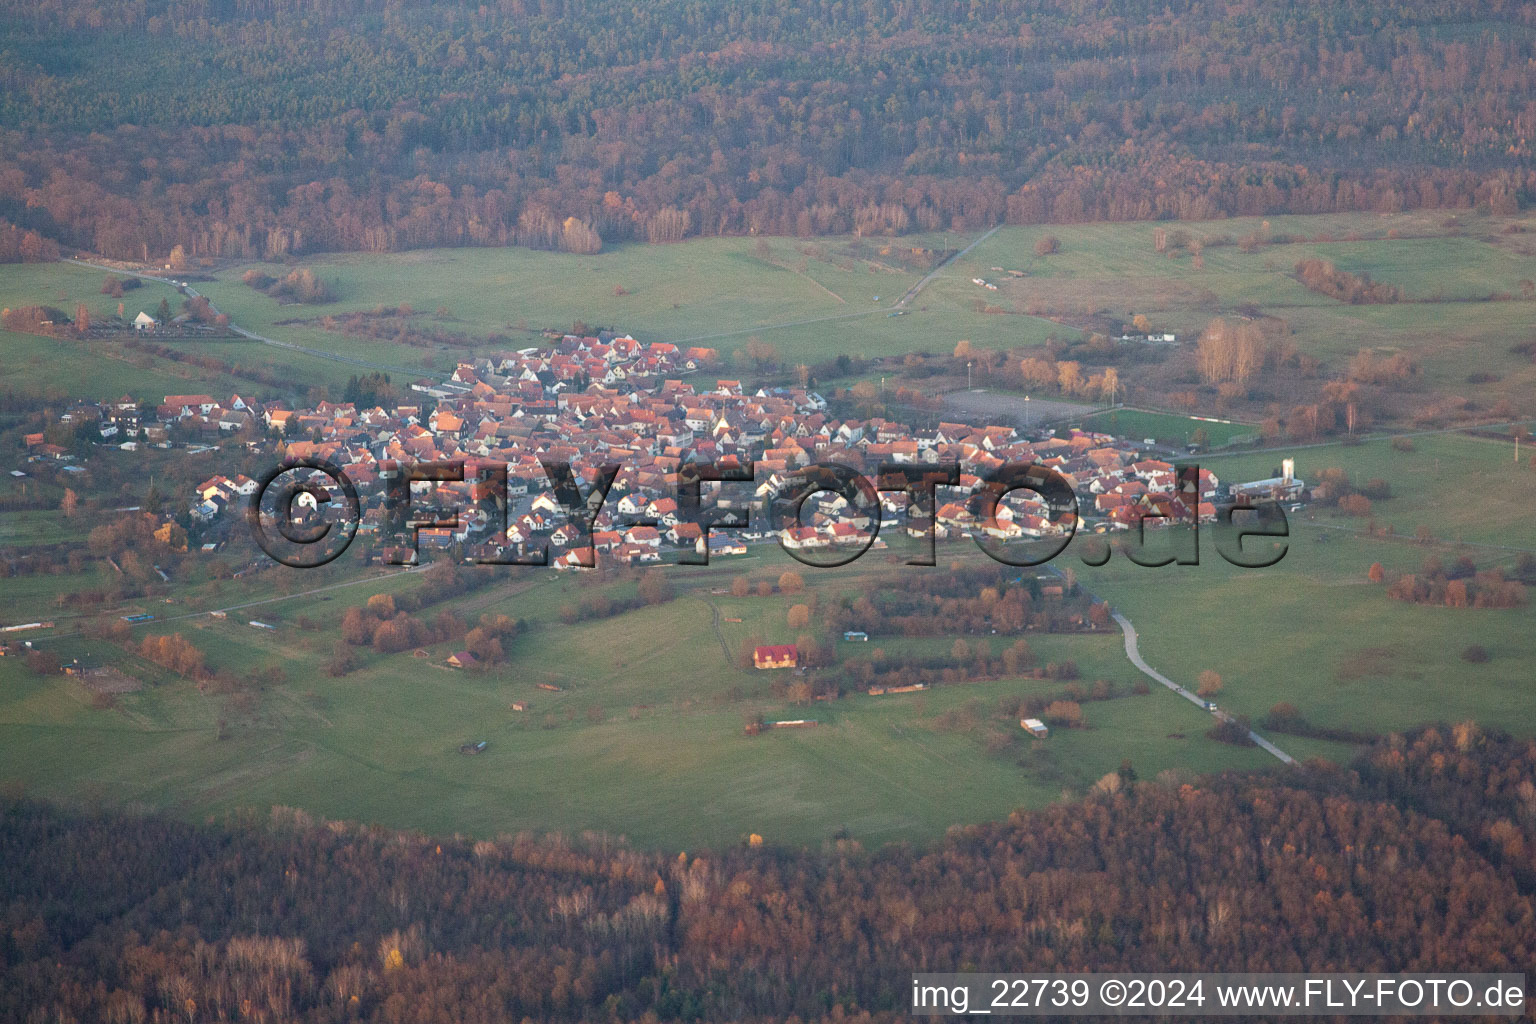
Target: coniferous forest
<point x="1418" y="857"/>
<point x="264" y="128"/>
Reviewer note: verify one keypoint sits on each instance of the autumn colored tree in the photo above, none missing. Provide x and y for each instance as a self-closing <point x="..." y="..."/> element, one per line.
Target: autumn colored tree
<point x="1017" y="657"/>
<point x="1355" y="505"/>
<point x="1228" y="352"/>
<point x="654" y="587"/>
<point x="1067" y="713"/>
<point x="357" y="627"/>
<point x="485" y="645"/>
<point x="1208" y="683"/>
<point x="1069" y="376"/>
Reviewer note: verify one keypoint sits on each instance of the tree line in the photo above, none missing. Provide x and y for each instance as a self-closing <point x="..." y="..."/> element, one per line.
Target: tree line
<point x="1417" y="855"/>
<point x="380" y="125"/>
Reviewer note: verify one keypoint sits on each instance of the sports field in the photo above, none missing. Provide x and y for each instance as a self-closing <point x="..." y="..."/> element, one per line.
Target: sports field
<point x="1168" y="428"/>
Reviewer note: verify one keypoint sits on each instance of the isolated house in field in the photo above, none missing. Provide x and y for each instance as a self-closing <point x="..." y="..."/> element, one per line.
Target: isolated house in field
<point x="772" y="656"/>
<point x="145" y="322"/>
<point x="1036" y="728"/>
<point x="461" y="659"/>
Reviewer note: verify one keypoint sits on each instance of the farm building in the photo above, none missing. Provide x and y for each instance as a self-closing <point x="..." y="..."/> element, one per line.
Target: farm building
<point x="776" y="656"/>
<point x="1285" y="487"/>
<point x="856" y="635"/>
<point x="461" y="659"/>
<point x="1036" y="728"/>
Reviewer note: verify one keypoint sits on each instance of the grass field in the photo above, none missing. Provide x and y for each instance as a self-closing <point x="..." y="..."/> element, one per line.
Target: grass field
<point x="1439" y="262"/>
<point x="647" y="742"/>
<point x="1314" y="631"/>
<point x="813" y="298"/>
<point x="103" y="370"/>
<point x="644" y="736"/>
<point x="1165" y="428"/>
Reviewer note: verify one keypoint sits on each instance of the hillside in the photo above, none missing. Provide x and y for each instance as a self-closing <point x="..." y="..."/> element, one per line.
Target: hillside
<point x="261" y="128"/>
<point x="1415" y="863"/>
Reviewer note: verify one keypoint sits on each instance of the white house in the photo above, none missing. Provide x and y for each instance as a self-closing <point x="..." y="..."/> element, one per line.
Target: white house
<point x="145" y="322"/>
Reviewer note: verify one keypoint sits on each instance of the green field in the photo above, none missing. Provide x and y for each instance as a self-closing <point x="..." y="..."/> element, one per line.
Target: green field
<point x="814" y="298"/>
<point x="1314" y="631"/>
<point x="644" y="737"/>
<point x="1114" y="270"/>
<point x="1166" y="428"/>
<point x="715" y="292"/>
<point x="646" y="742"/>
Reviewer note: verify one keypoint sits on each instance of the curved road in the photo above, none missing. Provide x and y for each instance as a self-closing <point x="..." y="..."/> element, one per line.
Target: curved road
<point x="1133" y="652"/>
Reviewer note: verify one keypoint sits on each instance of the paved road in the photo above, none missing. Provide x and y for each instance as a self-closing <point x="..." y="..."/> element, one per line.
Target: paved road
<point x="1381" y="436"/>
<point x="1133" y="652"/>
<point x="318" y="353"/>
<point x="936" y="271"/>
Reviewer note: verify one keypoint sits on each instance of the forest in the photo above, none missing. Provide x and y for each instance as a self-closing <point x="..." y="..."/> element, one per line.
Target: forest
<point x="266" y="128"/>
<point x="1415" y="858"/>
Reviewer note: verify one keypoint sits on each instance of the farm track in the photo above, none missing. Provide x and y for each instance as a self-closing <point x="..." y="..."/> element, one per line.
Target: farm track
<point x="318" y="353"/>
<point x="714" y="611"/>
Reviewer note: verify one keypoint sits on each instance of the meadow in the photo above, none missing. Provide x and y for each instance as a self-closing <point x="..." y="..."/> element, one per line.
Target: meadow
<point x="1166" y="428"/>
<point x="1315" y="632"/>
<point x="818" y="297"/>
<point x="1445" y="262"/>
<point x="644" y="736"/>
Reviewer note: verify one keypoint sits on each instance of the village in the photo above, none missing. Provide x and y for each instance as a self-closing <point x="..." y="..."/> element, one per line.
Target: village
<point x="613" y="400"/>
<point x="609" y="399"/>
